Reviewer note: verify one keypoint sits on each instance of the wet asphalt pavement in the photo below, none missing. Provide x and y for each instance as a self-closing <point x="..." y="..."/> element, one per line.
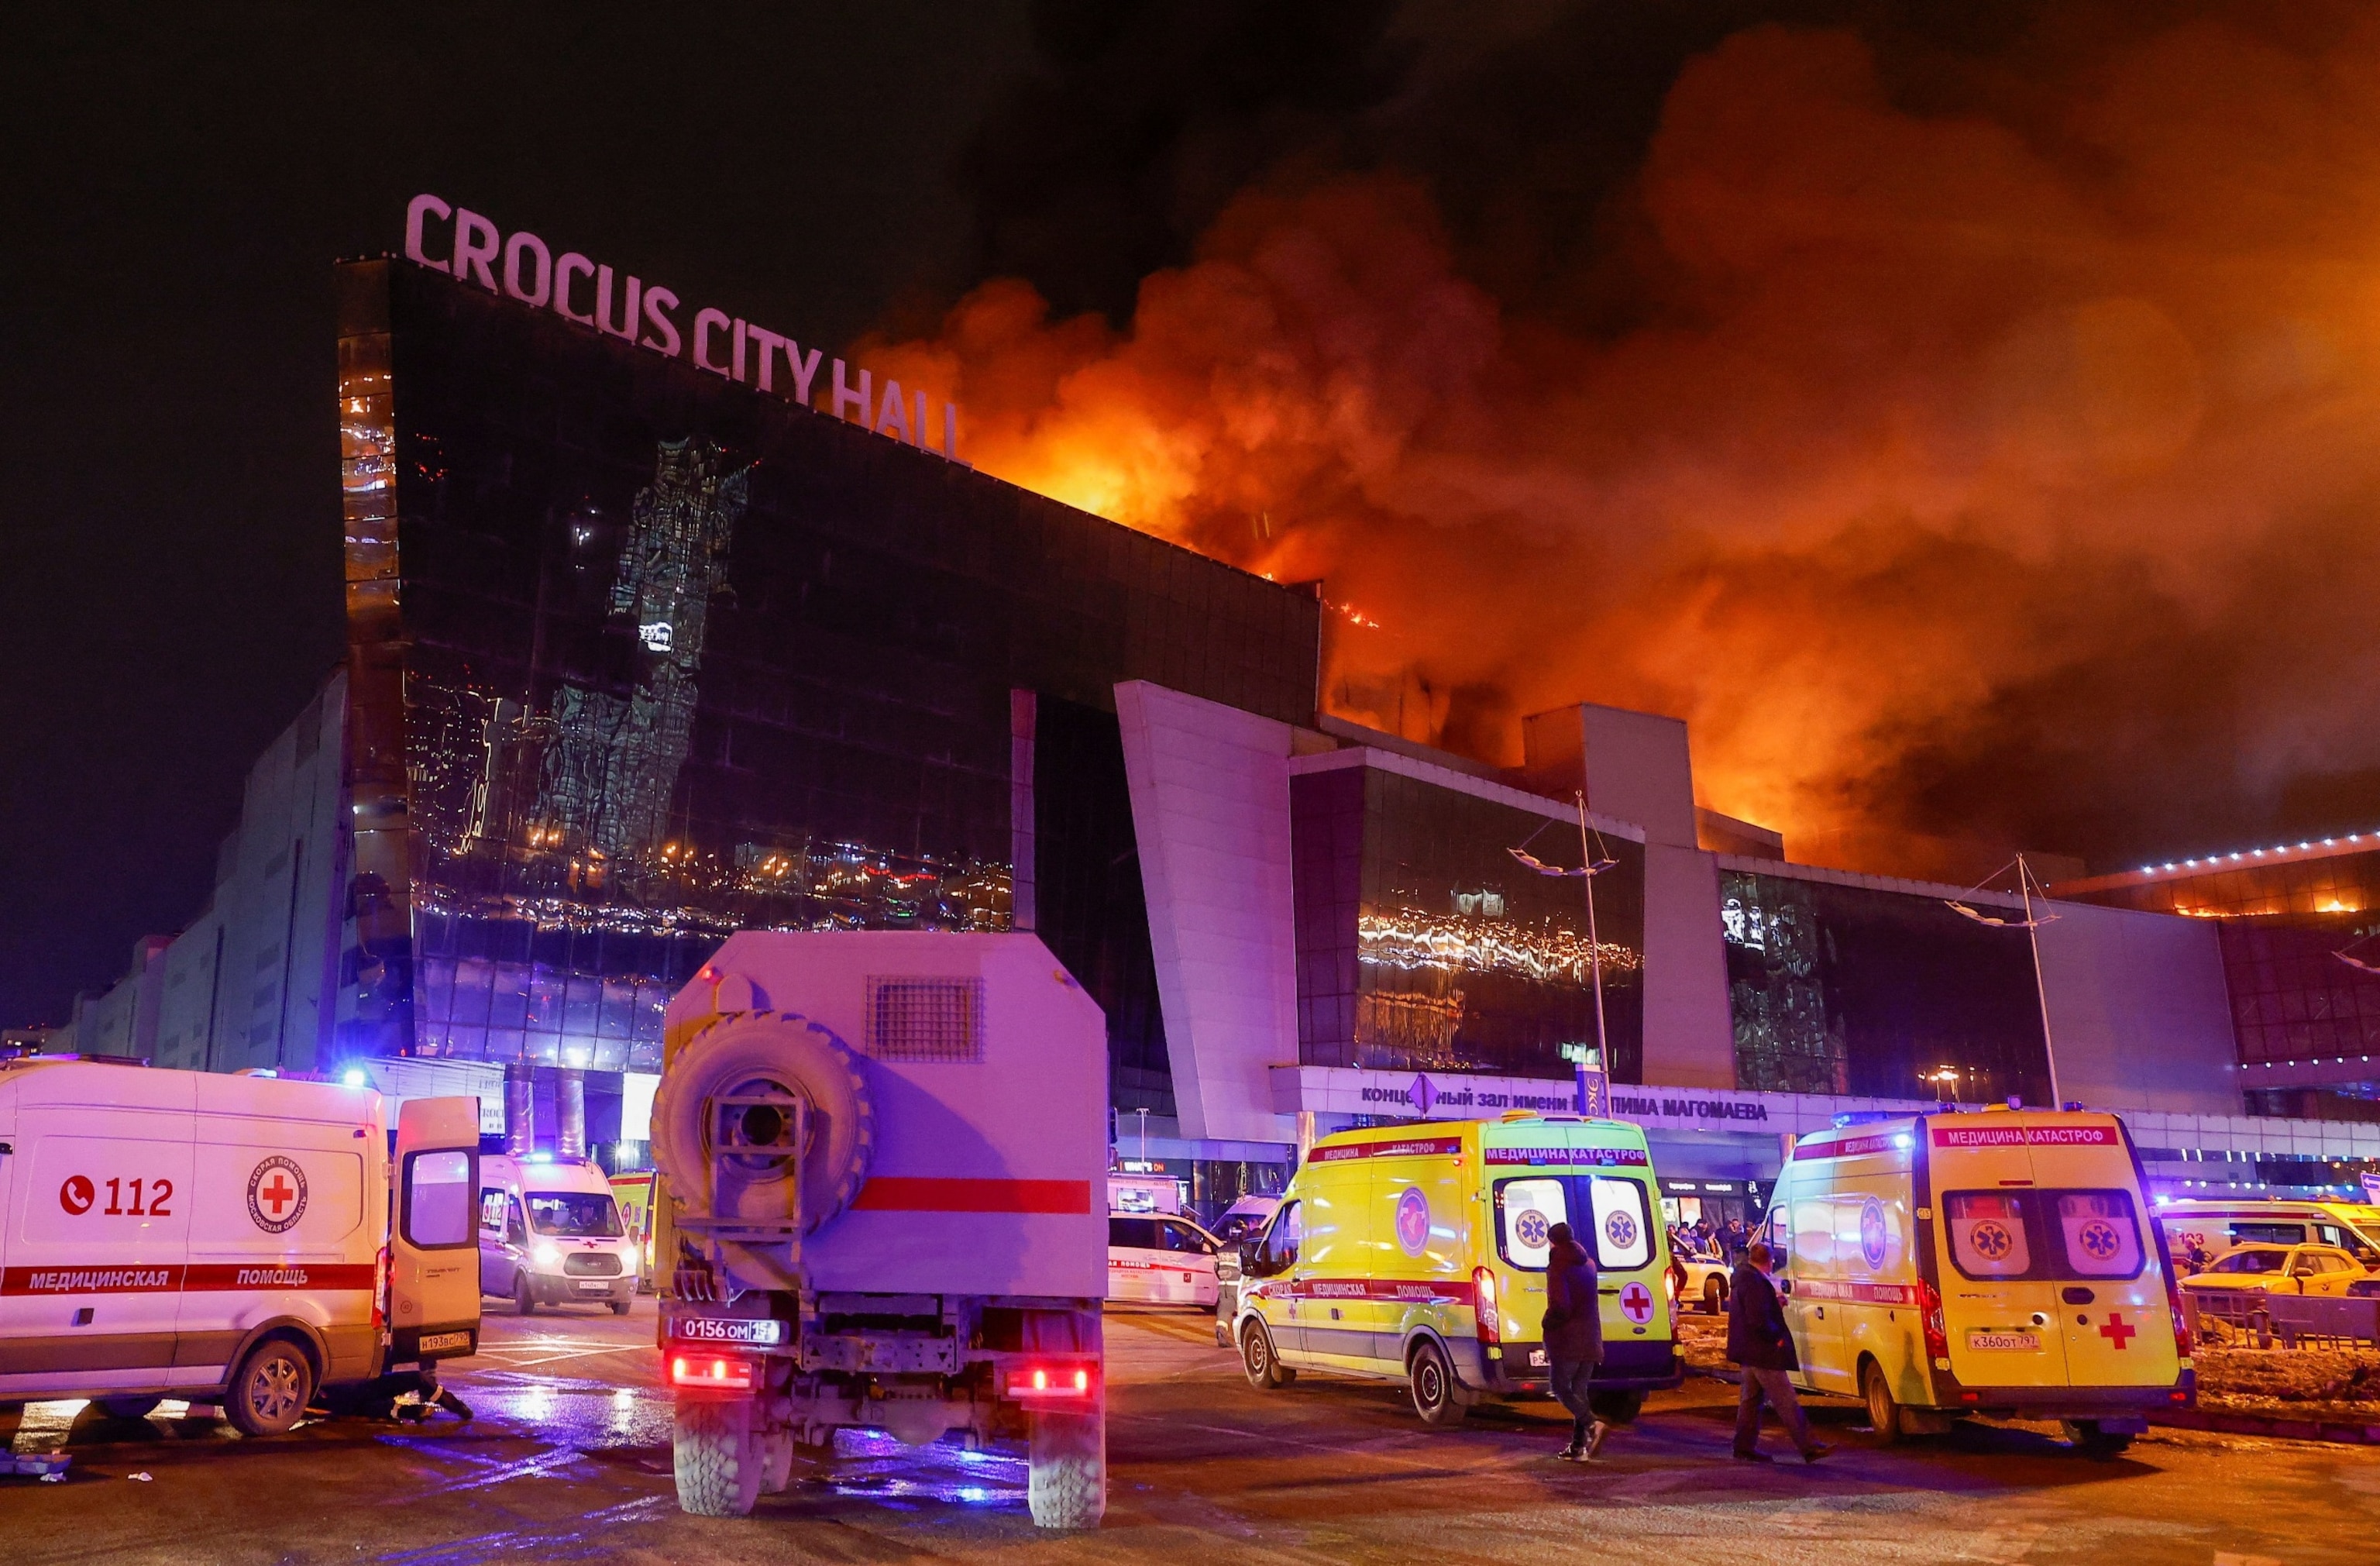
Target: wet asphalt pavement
<point x="568" y="1461"/>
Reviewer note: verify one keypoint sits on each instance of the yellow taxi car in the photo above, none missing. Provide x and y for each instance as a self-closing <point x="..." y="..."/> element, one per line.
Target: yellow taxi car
<point x="2277" y="1269"/>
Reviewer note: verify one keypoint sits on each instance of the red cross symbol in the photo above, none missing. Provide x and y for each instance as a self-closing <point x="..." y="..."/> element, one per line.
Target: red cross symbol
<point x="277" y="1194"/>
<point x="2116" y="1331"/>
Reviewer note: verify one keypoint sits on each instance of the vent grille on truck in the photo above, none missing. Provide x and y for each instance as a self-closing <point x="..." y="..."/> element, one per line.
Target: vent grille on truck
<point x="925" y="1019"/>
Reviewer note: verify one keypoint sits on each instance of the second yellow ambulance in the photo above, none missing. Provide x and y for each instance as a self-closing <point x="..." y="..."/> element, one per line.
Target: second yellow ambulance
<point x="1996" y="1262"/>
<point x="1417" y="1253"/>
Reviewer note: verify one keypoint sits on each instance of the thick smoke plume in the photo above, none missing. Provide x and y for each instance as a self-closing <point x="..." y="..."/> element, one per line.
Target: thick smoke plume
<point x="1997" y="459"/>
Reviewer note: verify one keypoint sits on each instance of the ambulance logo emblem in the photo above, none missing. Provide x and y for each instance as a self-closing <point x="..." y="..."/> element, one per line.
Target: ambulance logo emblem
<point x="277" y="1194"/>
<point x="1872" y="1234"/>
<point x="1620" y="1229"/>
<point x="1530" y="1229"/>
<point x="1413" y="1221"/>
<point x="2099" y="1240"/>
<point x="1990" y="1241"/>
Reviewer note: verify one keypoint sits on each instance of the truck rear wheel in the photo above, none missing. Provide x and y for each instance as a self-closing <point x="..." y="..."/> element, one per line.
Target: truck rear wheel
<point x="777" y="1460"/>
<point x="270" y="1389"/>
<point x="1067" y="1474"/>
<point x="718" y="1459"/>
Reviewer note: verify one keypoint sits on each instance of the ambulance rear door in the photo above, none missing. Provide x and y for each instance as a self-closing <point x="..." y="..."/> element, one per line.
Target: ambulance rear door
<point x="1813" y="1306"/>
<point x="2000" y="1302"/>
<point x="435" y="1243"/>
<point x="2112" y="1310"/>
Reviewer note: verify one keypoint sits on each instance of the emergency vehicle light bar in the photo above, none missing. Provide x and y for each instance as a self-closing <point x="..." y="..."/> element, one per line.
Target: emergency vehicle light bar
<point x="724" y="1371"/>
<point x="1050" y="1381"/>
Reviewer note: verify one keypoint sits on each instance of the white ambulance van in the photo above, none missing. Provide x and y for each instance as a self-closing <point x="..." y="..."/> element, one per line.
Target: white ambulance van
<point x="1995" y="1263"/>
<point x="550" y="1234"/>
<point x="228" y="1240"/>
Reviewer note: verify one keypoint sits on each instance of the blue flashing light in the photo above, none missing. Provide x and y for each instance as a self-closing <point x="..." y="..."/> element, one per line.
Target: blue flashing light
<point x="539" y="1157"/>
<point x="354" y="1078"/>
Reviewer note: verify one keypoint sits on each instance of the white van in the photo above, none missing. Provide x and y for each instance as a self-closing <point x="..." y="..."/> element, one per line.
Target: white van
<point x="1160" y="1261"/>
<point x="550" y="1234"/>
<point x="227" y="1240"/>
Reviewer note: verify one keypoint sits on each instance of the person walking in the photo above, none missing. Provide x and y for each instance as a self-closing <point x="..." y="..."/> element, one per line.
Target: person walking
<point x="1758" y="1343"/>
<point x="1573" y="1334"/>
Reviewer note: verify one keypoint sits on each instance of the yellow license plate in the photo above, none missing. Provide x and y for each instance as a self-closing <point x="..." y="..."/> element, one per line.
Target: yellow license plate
<point x="2004" y="1342"/>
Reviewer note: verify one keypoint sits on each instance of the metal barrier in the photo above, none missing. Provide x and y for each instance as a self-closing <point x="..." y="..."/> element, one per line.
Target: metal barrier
<point x="2295" y="1320"/>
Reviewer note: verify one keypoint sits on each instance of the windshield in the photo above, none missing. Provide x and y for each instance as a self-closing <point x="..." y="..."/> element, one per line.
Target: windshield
<point x="586" y="1217"/>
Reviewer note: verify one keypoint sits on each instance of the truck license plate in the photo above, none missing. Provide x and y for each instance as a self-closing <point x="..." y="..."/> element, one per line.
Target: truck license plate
<point x="433" y="1342"/>
<point x="714" y="1329"/>
<point x="2003" y="1341"/>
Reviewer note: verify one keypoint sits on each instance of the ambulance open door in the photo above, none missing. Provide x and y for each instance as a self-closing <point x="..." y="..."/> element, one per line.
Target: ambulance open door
<point x="433" y="1296"/>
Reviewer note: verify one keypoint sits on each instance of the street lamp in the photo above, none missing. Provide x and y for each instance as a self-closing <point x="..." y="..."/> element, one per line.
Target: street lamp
<point x="2026" y="885"/>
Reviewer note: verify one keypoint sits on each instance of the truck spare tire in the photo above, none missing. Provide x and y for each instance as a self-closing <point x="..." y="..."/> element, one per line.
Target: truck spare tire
<point x="764" y="1055"/>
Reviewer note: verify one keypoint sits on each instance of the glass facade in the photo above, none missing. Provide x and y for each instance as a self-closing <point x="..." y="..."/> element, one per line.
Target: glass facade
<point x="1849" y="990"/>
<point x="1422" y="944"/>
<point x="642" y="657"/>
<point x="2282" y="922"/>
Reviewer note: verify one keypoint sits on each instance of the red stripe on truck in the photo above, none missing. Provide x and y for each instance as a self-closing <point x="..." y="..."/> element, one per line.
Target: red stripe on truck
<point x="897" y="1192"/>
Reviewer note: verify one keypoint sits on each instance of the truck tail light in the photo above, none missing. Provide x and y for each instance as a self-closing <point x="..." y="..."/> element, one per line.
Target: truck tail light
<point x="1046" y="1383"/>
<point x="1937" y="1333"/>
<point x="380" y="1290"/>
<point x="724" y="1372"/>
<point x="1482" y="1297"/>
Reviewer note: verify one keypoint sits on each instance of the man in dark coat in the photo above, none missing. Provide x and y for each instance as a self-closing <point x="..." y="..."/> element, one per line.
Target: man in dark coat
<point x="1758" y="1343"/>
<point x="1573" y="1336"/>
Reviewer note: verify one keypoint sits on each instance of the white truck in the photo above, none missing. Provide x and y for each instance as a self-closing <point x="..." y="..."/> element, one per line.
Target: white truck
<point x="242" y="1241"/>
<point x="885" y="1158"/>
<point x="550" y="1234"/>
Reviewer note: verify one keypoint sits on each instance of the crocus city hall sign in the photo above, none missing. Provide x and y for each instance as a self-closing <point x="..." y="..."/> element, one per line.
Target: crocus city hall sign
<point x="470" y="248"/>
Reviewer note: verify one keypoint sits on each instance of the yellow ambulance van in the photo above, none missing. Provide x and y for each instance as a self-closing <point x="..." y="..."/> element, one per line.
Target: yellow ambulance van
<point x="1996" y="1262"/>
<point x="1417" y="1253"/>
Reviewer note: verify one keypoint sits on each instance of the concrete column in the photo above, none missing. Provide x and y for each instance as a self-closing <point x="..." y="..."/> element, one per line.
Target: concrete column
<point x="570" y="1113"/>
<point x="520" y="1109"/>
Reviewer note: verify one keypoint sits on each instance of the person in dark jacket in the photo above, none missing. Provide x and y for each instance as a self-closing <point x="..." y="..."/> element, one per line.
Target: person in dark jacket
<point x="1758" y="1343"/>
<point x="1574" y="1331"/>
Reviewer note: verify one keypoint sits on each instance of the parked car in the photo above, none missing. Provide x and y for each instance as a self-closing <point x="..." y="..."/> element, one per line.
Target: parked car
<point x="2279" y="1269"/>
<point x="1700" y="1276"/>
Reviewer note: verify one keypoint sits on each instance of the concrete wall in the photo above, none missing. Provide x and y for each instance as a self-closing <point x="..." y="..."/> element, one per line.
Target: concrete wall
<point x="2139" y="1012"/>
<point x="123" y="1020"/>
<point x="1689" y="1032"/>
<point x="186" y="1011"/>
<point x="1210" y="809"/>
<point x="1635" y="766"/>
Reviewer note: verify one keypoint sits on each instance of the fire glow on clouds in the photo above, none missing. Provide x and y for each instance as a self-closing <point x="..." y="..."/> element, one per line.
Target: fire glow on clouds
<point x="1990" y="477"/>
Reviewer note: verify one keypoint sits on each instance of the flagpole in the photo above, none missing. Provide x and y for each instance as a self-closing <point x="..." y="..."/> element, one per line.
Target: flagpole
<point x="2040" y="990"/>
<point x="1595" y="946"/>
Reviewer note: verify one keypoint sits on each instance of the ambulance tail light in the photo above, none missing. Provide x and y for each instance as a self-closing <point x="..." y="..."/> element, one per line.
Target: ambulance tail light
<point x="2182" y="1346"/>
<point x="1483" y="1294"/>
<point x="380" y="1290"/>
<point x="719" y="1372"/>
<point x="1051" y="1383"/>
<point x="1937" y="1333"/>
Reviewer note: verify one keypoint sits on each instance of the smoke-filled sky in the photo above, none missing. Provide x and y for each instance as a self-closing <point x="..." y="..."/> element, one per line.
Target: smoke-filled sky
<point x="1972" y="432"/>
<point x="1962" y="415"/>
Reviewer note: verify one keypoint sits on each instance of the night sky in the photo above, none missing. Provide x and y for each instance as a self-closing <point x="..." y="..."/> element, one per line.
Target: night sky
<point x="169" y="537"/>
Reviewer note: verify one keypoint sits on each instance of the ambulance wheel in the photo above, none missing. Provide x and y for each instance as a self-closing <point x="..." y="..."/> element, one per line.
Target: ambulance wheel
<point x="1714" y="1296"/>
<point x="718" y="1463"/>
<point x="523" y="1295"/>
<point x="1434" y="1396"/>
<point x="128" y="1408"/>
<point x="1616" y="1408"/>
<point x="1882" y="1408"/>
<point x="1266" y="1372"/>
<point x="2099" y="1446"/>
<point x="1066" y="1469"/>
<point x="270" y="1389"/>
